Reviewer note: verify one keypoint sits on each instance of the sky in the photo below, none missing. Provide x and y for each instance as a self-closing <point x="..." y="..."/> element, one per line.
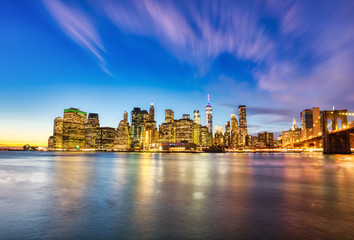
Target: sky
<point x="276" y="57"/>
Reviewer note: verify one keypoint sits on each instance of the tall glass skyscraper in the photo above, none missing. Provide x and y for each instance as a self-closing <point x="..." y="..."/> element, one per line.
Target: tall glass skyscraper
<point x="242" y="125"/>
<point x="209" y="117"/>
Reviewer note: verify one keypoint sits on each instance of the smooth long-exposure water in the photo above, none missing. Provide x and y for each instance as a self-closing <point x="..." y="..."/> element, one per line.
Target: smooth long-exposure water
<point x="48" y="195"/>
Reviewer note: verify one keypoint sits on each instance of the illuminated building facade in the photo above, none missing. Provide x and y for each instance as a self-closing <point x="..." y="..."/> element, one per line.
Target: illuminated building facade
<point x="227" y="134"/>
<point x="58" y="133"/>
<point x="91" y="134"/>
<point x="242" y="125"/>
<point x="209" y="117"/>
<point x="288" y="138"/>
<point x="196" y="117"/>
<point x="74" y="129"/>
<point x="234" y="131"/>
<point x="205" y="137"/>
<point x="184" y="130"/>
<point x="105" y="138"/>
<point x="137" y="129"/>
<point x="254" y="141"/>
<point x="197" y="133"/>
<point x="51" y="142"/>
<point x="266" y="138"/>
<point x="151" y="135"/>
<point x="219" y="136"/>
<point x="310" y="122"/>
<point x="122" y="138"/>
<point x="169" y="116"/>
<point x="167" y="130"/>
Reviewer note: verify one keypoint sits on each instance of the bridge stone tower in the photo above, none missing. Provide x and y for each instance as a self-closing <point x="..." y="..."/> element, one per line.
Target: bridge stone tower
<point x="335" y="142"/>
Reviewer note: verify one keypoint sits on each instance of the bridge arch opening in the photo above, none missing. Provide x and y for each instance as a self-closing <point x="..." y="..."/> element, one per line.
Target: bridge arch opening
<point x="329" y="125"/>
<point x="339" y="123"/>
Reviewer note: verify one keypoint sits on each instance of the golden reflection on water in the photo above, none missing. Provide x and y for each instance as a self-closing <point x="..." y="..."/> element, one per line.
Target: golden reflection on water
<point x="72" y="180"/>
<point x="150" y="195"/>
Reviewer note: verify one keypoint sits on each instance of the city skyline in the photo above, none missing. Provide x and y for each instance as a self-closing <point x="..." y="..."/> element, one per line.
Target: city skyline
<point x="277" y="58"/>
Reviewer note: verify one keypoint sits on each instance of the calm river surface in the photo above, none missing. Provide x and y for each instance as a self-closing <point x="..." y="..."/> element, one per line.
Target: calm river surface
<point x="48" y="195"/>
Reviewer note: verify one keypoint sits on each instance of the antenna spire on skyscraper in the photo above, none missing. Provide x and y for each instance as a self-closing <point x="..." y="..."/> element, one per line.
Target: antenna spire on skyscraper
<point x="208" y="99"/>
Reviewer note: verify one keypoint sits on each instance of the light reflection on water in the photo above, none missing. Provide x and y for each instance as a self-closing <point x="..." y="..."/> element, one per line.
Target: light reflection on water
<point x="174" y="196"/>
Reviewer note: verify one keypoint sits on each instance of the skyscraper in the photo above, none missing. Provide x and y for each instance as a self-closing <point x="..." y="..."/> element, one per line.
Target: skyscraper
<point x="209" y="117"/>
<point x="196" y="117"/>
<point x="167" y="130"/>
<point x="266" y="138"/>
<point x="151" y="135"/>
<point x="234" y="131"/>
<point x="58" y="133"/>
<point x="169" y="116"/>
<point x="125" y="117"/>
<point x="74" y="128"/>
<point x="184" y="130"/>
<point x="93" y="123"/>
<point x="105" y="138"/>
<point x="138" y="118"/>
<point x="152" y="112"/>
<point x="205" y="138"/>
<point x="227" y="134"/>
<point x="242" y="125"/>
<point x="310" y="122"/>
<point x="122" y="138"/>
<point x="219" y="136"/>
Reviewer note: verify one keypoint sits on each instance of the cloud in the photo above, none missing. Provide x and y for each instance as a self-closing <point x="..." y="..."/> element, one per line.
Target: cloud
<point x="302" y="56"/>
<point x="269" y="111"/>
<point x="79" y="27"/>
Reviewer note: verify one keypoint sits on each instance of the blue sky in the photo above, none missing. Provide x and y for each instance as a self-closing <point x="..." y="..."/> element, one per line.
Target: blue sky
<point x="277" y="57"/>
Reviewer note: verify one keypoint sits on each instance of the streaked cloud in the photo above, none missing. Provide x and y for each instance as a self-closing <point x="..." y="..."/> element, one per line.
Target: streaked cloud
<point x="301" y="50"/>
<point x="79" y="27"/>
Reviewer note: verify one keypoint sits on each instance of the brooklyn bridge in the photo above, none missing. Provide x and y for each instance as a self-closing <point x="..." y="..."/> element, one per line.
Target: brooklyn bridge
<point x="335" y="135"/>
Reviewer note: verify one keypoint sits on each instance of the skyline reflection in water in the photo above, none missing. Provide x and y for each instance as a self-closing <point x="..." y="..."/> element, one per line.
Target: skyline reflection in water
<point x="172" y="196"/>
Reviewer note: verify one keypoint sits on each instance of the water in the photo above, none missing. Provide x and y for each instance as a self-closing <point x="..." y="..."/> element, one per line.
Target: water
<point x="176" y="196"/>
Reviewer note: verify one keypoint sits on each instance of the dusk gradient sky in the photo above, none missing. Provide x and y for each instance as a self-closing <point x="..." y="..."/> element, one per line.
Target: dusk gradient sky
<point x="276" y="57"/>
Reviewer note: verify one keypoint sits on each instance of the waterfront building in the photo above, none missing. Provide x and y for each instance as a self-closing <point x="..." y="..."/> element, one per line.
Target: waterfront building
<point x="58" y="133"/>
<point x="184" y="130"/>
<point x="167" y="133"/>
<point x="219" y="136"/>
<point x="91" y="132"/>
<point x="151" y="134"/>
<point x="242" y="125"/>
<point x="234" y="131"/>
<point x="266" y="138"/>
<point x="74" y="129"/>
<point x="51" y="142"/>
<point x="254" y="141"/>
<point x="227" y="134"/>
<point x="169" y="116"/>
<point x="167" y="130"/>
<point x="196" y="117"/>
<point x="152" y="112"/>
<point x="122" y="139"/>
<point x="249" y="141"/>
<point x="205" y="137"/>
<point x="288" y="138"/>
<point x="310" y="122"/>
<point x="137" y="129"/>
<point x="197" y="133"/>
<point x="105" y="138"/>
<point x="209" y="117"/>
